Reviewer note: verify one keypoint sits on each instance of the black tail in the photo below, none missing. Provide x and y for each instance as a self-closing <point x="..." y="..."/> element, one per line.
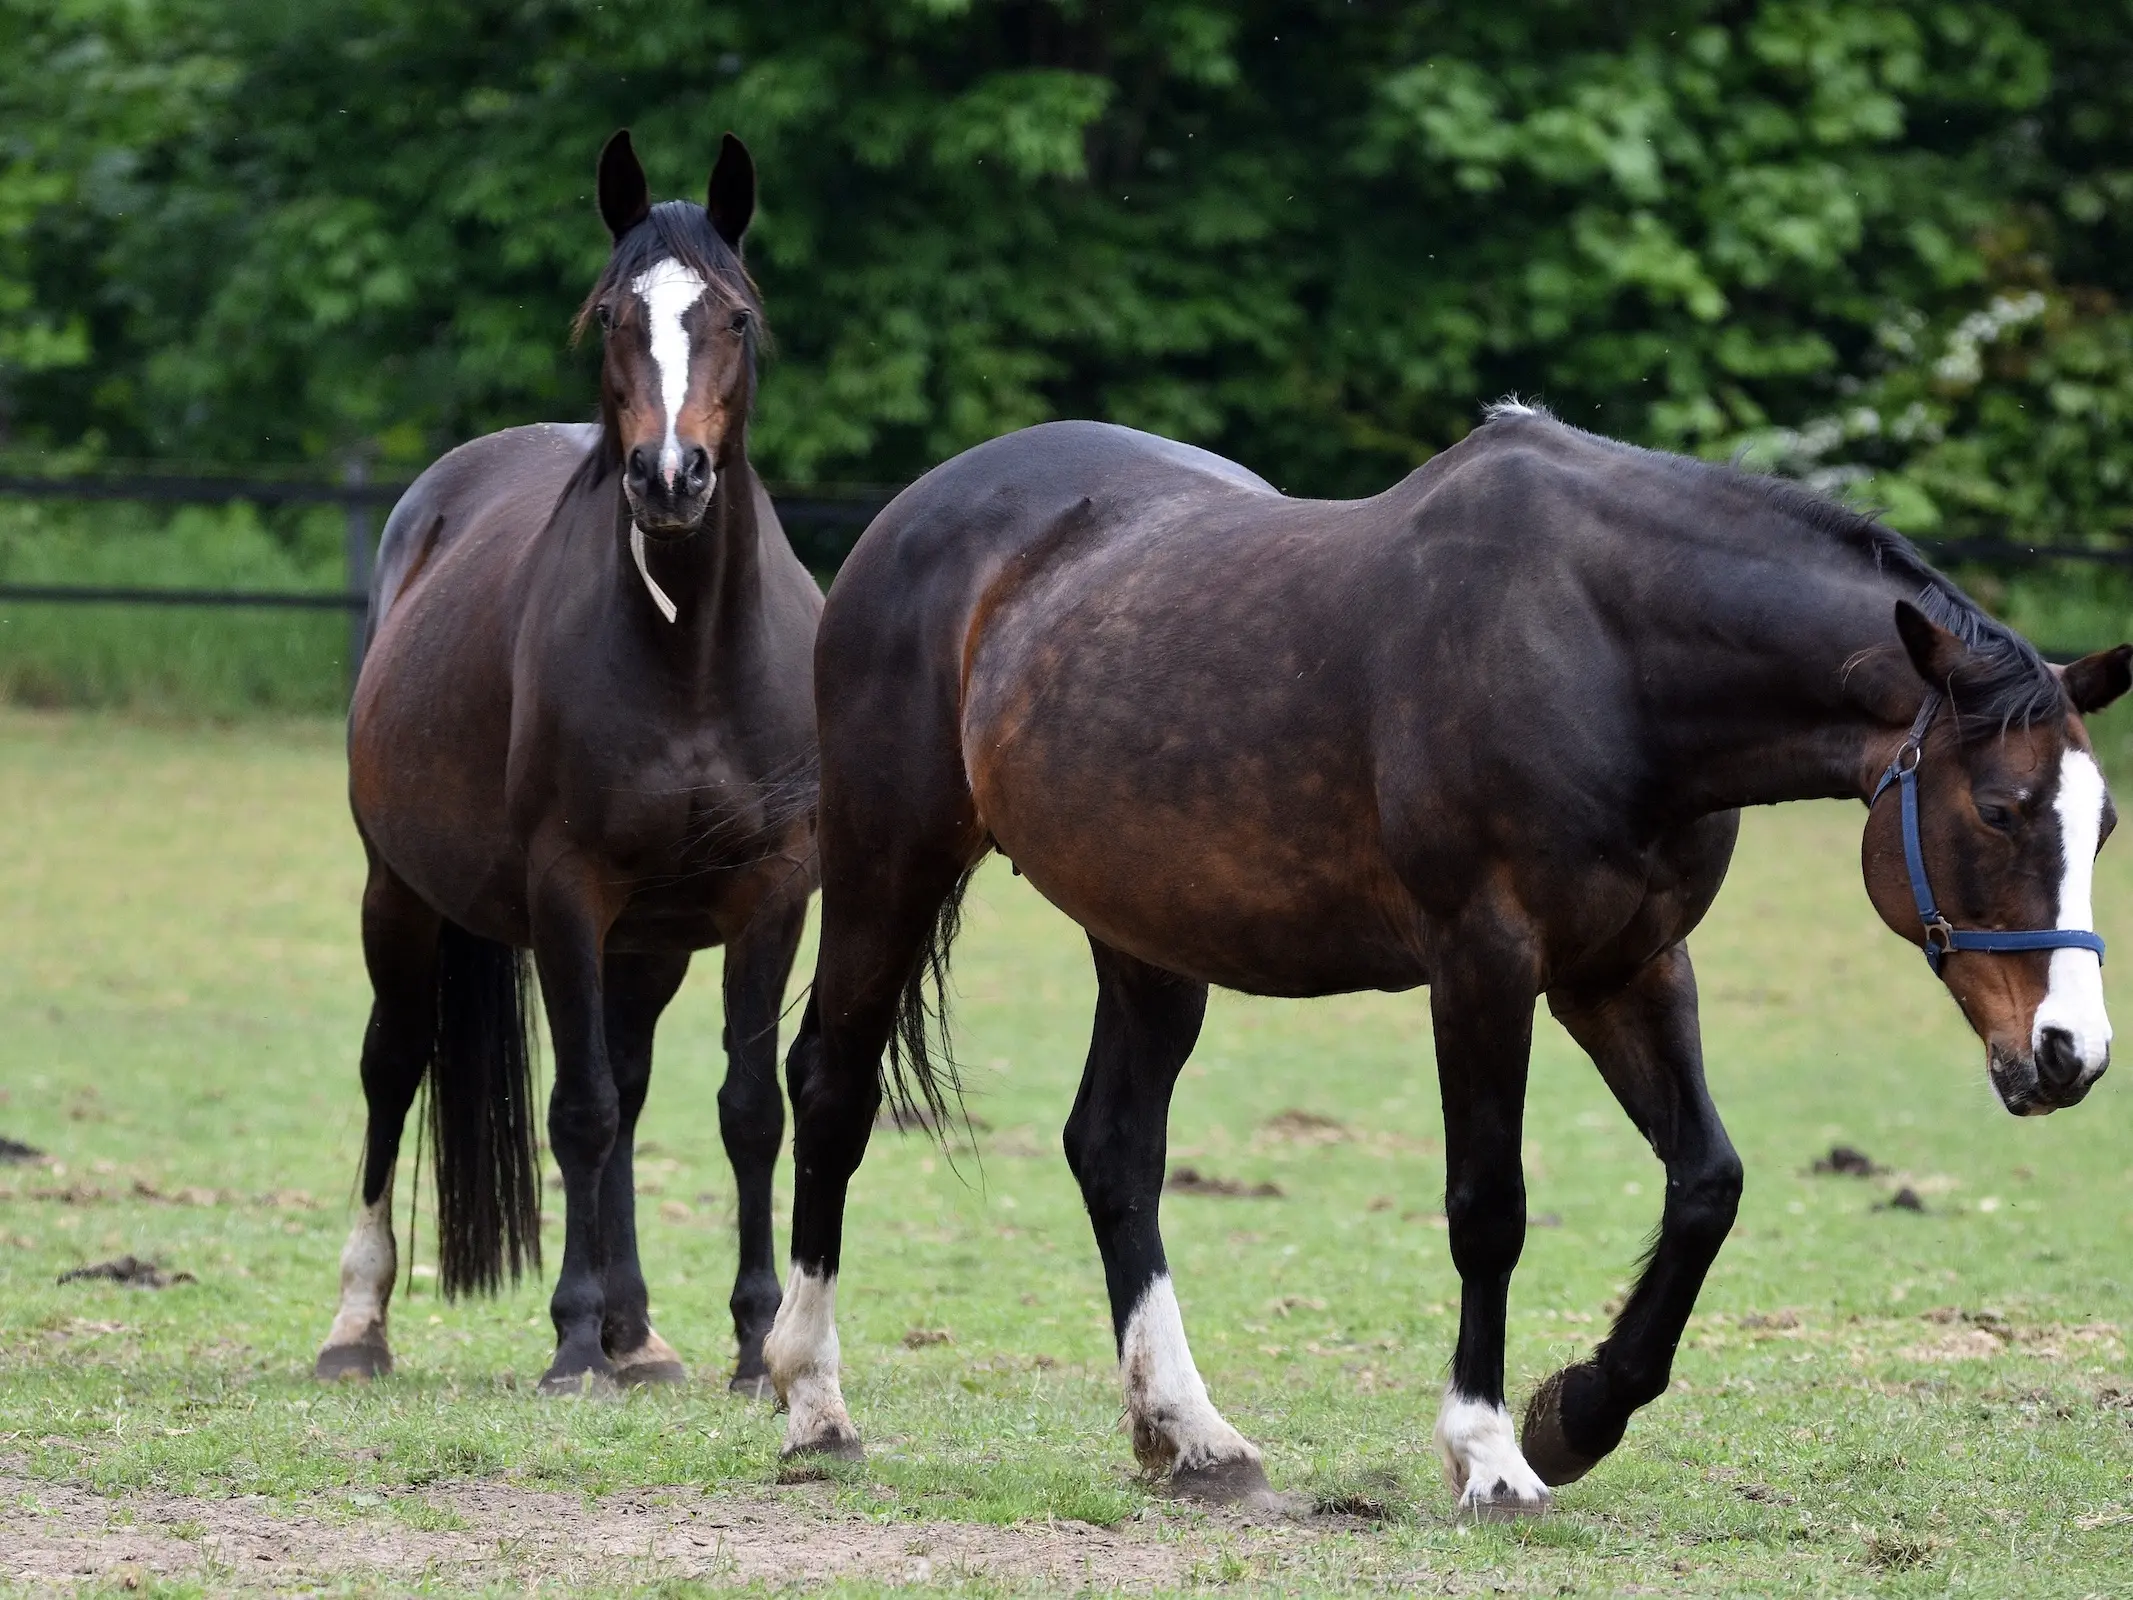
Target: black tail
<point x="913" y="1058"/>
<point x="482" y="1115"/>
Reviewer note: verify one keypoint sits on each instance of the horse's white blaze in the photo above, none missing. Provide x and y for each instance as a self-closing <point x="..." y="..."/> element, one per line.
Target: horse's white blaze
<point x="369" y="1262"/>
<point x="668" y="291"/>
<point x="801" y="1353"/>
<point x="1174" y="1423"/>
<point x="1482" y="1460"/>
<point x="2074" y="1001"/>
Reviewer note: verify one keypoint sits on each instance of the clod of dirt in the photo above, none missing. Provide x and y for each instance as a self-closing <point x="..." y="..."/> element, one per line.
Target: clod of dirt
<point x="1366" y="1506"/>
<point x="919" y="1338"/>
<point x="1190" y="1180"/>
<point x="1298" y="1126"/>
<point x="131" y="1271"/>
<point x="1764" y="1493"/>
<point x="1904" y="1199"/>
<point x="1845" y="1161"/>
<point x="1896" y="1551"/>
<point x="14" y="1151"/>
<point x="1780" y="1319"/>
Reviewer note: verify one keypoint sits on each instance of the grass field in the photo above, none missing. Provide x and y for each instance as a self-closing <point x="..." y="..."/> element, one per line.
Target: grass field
<point x="1870" y="1400"/>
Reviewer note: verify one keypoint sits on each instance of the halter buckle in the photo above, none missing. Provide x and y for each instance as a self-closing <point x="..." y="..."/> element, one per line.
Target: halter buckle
<point x="1912" y="750"/>
<point x="1940" y="936"/>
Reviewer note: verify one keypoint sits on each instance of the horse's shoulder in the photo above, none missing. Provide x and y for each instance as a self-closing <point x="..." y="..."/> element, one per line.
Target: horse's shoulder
<point x="514" y="474"/>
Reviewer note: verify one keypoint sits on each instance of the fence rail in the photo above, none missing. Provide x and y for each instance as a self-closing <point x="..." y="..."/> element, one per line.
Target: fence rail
<point x="821" y="527"/>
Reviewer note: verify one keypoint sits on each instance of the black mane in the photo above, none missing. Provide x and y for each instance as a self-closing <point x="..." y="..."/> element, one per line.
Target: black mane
<point x="2005" y="683"/>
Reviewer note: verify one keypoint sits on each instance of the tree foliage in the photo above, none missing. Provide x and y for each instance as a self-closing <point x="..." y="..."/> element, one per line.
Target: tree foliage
<point x="1878" y="242"/>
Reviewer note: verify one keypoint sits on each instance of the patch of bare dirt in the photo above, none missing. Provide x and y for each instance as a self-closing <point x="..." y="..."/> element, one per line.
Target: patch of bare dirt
<point x="490" y="1534"/>
<point x="1191" y="1180"/>
<point x="131" y="1271"/>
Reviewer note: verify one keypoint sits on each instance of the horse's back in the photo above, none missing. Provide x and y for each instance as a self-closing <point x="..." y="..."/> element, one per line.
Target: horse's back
<point x="515" y="474"/>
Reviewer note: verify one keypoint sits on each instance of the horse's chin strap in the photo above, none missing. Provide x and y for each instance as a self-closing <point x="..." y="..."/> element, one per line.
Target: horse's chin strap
<point x="651" y="584"/>
<point x="1941" y="936"/>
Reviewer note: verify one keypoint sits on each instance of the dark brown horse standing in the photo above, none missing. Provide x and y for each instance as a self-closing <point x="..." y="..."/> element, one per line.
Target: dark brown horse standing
<point x="585" y="728"/>
<point x="1489" y="731"/>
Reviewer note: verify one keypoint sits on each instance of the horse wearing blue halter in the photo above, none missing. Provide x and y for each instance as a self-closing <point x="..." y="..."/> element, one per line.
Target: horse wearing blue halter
<point x="1941" y="936"/>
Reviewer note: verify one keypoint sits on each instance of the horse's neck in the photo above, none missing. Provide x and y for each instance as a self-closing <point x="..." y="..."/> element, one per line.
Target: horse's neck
<point x="709" y="578"/>
<point x="1770" y="688"/>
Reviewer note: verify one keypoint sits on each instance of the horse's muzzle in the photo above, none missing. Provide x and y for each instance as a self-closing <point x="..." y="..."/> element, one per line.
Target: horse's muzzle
<point x="2051" y="1079"/>
<point x="668" y="505"/>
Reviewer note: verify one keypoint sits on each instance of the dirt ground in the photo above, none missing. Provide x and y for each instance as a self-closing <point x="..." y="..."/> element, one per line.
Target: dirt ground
<point x="473" y="1535"/>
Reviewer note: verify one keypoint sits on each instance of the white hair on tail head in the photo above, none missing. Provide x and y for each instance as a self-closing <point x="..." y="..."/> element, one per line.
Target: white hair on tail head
<point x="668" y="290"/>
<point x="2074" y="1001"/>
<point x="1511" y="406"/>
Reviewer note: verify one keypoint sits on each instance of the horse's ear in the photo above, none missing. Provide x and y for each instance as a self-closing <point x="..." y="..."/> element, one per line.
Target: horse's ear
<point x="625" y="198"/>
<point x="2095" y="681"/>
<point x="1935" y="652"/>
<point x="731" y="200"/>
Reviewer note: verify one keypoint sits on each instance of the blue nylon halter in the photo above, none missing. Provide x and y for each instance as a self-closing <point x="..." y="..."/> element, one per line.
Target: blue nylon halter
<point x="1941" y="937"/>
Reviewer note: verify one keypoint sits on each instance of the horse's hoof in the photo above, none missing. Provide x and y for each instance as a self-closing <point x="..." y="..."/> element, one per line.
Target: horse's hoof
<point x="753" y="1386"/>
<point x="836" y="1444"/>
<point x="1239" y="1480"/>
<point x="578" y="1379"/>
<point x="1503" y="1504"/>
<point x="365" y="1359"/>
<point x="653" y="1361"/>
<point x="1541" y="1439"/>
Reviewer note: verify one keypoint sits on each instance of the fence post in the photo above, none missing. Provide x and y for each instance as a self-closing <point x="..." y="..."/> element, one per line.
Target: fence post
<point x="359" y="551"/>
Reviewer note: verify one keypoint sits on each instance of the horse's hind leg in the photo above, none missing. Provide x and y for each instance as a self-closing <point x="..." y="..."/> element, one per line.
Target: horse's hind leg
<point x="1481" y="1010"/>
<point x="879" y="914"/>
<point x="1643" y="1037"/>
<point x="636" y="989"/>
<point x="400" y="950"/>
<point x="751" y="1118"/>
<point x="1147" y="1021"/>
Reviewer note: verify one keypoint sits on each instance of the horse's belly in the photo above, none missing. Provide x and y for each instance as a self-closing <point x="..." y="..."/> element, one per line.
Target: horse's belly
<point x="1311" y="908"/>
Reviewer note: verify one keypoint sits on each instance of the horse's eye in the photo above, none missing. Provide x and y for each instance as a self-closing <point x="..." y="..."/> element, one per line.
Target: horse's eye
<point x="737" y="323"/>
<point x="1999" y="817"/>
<point x="605" y="314"/>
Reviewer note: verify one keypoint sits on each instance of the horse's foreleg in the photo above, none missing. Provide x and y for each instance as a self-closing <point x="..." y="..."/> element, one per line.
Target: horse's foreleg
<point x="751" y="1119"/>
<point x="400" y="951"/>
<point x="1483" y="1021"/>
<point x="635" y="991"/>
<point x="584" y="1113"/>
<point x="1147" y="1022"/>
<point x="1643" y="1037"/>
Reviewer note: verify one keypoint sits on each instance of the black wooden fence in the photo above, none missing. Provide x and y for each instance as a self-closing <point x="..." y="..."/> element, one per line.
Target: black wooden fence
<point x="822" y="524"/>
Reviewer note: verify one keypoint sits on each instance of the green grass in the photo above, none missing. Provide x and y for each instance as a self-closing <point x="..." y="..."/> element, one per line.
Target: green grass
<point x="179" y="975"/>
<point x="194" y="661"/>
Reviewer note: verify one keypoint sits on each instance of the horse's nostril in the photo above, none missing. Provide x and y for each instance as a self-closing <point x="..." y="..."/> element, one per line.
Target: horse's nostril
<point x="2058" y="1062"/>
<point x="640" y="467"/>
<point x="696" y="467"/>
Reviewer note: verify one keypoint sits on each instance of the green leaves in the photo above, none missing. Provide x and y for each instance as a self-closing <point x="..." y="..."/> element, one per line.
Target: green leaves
<point x="1311" y="234"/>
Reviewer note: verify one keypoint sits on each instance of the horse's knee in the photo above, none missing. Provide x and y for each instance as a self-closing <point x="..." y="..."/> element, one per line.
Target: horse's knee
<point x="1486" y="1219"/>
<point x="832" y="1118"/>
<point x="751" y="1117"/>
<point x="584" y="1121"/>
